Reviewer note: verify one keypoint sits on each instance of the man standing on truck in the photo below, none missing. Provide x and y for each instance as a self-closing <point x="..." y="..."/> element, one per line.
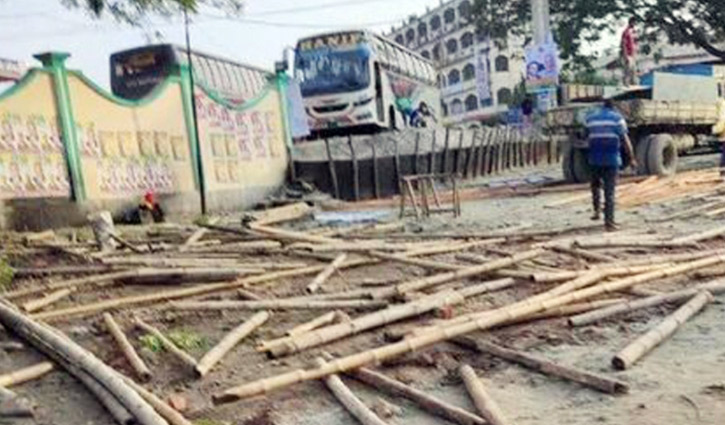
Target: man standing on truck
<point x="606" y="131"/>
<point x="628" y="53"/>
<point x="718" y="130"/>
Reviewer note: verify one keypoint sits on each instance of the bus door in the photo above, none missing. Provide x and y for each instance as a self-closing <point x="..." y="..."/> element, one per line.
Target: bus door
<point x="379" y="101"/>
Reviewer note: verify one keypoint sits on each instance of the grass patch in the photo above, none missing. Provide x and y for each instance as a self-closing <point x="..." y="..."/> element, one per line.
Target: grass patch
<point x="6" y="274"/>
<point x="184" y="339"/>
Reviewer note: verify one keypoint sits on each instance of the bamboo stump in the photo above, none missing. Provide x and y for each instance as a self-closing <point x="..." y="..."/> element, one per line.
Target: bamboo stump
<point x="487" y="407"/>
<point x="127" y="349"/>
<point x="213" y="356"/>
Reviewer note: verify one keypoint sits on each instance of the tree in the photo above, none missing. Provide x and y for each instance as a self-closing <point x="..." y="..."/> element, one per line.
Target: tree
<point x="130" y="11"/>
<point x="576" y="22"/>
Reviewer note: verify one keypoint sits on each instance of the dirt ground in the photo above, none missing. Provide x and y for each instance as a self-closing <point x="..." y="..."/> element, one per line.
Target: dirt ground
<point x="682" y="382"/>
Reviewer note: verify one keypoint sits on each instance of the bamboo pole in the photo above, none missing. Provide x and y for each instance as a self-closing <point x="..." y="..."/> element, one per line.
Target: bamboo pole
<point x="391" y="314"/>
<point x="588" y="255"/>
<point x="702" y="236"/>
<point x="659" y="259"/>
<point x="142" y="371"/>
<point x="278" y="304"/>
<point x="483" y="321"/>
<point x="52" y="298"/>
<point x="716" y="288"/>
<point x="79" y="363"/>
<point x="163" y="409"/>
<point x="213" y="356"/>
<point x="62" y="270"/>
<point x="426" y="402"/>
<point x="419" y="262"/>
<point x="592" y="380"/>
<point x="548" y="277"/>
<point x="197" y="235"/>
<point x="25" y="374"/>
<point x="89" y="280"/>
<point x="167" y="343"/>
<point x="238" y="247"/>
<point x="349" y="401"/>
<point x="290" y="235"/>
<point x="124" y="243"/>
<point x="486" y="405"/>
<point x="633" y="243"/>
<point x="645" y="343"/>
<point x="419" y="284"/>
<point x="280" y="214"/>
<point x="315" y="323"/>
<point x="325" y="274"/>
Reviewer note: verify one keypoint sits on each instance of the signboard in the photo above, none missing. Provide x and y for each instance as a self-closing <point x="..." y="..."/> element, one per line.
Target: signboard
<point x="11" y="70"/>
<point x="342" y="39"/>
<point x="542" y="67"/>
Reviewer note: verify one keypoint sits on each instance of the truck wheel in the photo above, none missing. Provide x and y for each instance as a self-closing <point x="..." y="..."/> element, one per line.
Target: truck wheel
<point x="575" y="165"/>
<point x="641" y="152"/>
<point x="662" y="155"/>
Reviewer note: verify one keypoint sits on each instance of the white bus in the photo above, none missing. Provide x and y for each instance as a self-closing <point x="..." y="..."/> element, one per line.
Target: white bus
<point x="360" y="80"/>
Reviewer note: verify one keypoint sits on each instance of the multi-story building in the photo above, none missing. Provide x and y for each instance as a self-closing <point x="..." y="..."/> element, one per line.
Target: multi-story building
<point x="447" y="35"/>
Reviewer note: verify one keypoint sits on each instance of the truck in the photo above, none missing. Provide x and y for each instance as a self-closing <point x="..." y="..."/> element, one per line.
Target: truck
<point x="671" y="117"/>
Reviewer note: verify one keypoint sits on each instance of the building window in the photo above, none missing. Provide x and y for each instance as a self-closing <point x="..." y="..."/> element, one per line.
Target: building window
<point x="437" y="52"/>
<point x="467" y="40"/>
<point x="471" y="103"/>
<point x="469" y="72"/>
<point x="486" y="103"/>
<point x="410" y="36"/>
<point x="435" y="23"/>
<point x="504" y="96"/>
<point x="480" y="35"/>
<point x="456" y="107"/>
<point x="454" y="77"/>
<point x="452" y="46"/>
<point x="399" y="39"/>
<point x="449" y="16"/>
<point x="425" y="54"/>
<point x="502" y="64"/>
<point x="464" y="10"/>
<point x="423" y="31"/>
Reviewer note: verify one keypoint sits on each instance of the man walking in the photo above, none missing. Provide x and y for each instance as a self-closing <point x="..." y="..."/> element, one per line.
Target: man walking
<point x="718" y="130"/>
<point x="606" y="131"/>
<point x="628" y="52"/>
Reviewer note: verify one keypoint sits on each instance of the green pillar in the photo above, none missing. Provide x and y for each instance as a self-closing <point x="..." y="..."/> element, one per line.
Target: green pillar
<point x="55" y="63"/>
<point x="187" y="98"/>
<point x="281" y="78"/>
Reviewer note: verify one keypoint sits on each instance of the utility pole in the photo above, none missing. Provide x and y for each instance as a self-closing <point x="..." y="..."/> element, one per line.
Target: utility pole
<point x="198" y="159"/>
<point x="540" y="20"/>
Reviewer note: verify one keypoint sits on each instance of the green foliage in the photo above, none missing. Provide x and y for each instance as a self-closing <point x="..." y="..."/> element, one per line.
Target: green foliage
<point x="184" y="339"/>
<point x="131" y="11"/>
<point x="6" y="274"/>
<point x="576" y="23"/>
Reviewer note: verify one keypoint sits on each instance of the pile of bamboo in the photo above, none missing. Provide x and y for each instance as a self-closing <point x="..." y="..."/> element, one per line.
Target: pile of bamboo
<point x="686" y="185"/>
<point x="278" y="263"/>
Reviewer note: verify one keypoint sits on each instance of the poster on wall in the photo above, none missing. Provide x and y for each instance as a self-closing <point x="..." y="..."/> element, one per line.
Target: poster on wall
<point x="542" y="67"/>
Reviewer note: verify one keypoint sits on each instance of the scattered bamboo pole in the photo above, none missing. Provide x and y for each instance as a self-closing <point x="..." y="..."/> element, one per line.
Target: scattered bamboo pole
<point x="568" y="310"/>
<point x="702" y="236"/>
<point x="325" y="274"/>
<point x="238" y="247"/>
<point x="351" y="403"/>
<point x="44" y="271"/>
<point x="633" y="243"/>
<point x="588" y="255"/>
<point x="431" y="404"/>
<point x="419" y="262"/>
<point x="715" y="288"/>
<point x="645" y="343"/>
<point x="391" y="314"/>
<point x="548" y="277"/>
<point x="487" y="407"/>
<point x="142" y="371"/>
<point x="483" y="321"/>
<point x="278" y="304"/>
<point x="25" y="374"/>
<point x="290" y="235"/>
<point x="72" y="283"/>
<point x="659" y="259"/>
<point x="167" y="343"/>
<point x="690" y="212"/>
<point x="280" y="214"/>
<point x="588" y="379"/>
<point x="35" y="305"/>
<point x="197" y="235"/>
<point x="315" y="323"/>
<point x="213" y="356"/>
<point x="124" y="243"/>
<point x="68" y="353"/>
<point x="163" y="409"/>
<point x="468" y="272"/>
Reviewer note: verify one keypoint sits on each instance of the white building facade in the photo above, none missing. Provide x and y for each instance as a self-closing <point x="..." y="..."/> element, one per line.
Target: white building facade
<point x="448" y="36"/>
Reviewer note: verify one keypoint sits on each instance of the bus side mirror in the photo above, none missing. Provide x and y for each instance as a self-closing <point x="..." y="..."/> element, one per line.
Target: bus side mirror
<point x="281" y="66"/>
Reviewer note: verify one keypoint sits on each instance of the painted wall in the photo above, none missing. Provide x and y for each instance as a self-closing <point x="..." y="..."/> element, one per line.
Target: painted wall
<point x="242" y="147"/>
<point x="125" y="148"/>
<point x="32" y="161"/>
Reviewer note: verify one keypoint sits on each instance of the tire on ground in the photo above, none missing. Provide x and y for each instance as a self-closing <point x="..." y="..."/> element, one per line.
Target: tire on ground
<point x="575" y="165"/>
<point x="662" y="155"/>
<point x="641" y="152"/>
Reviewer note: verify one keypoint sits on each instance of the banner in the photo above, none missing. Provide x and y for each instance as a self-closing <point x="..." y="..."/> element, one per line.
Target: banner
<point x="483" y="83"/>
<point x="299" y="126"/>
<point x="542" y="67"/>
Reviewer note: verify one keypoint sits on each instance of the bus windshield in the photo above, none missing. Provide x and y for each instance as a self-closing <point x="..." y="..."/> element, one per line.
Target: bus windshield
<point x="328" y="71"/>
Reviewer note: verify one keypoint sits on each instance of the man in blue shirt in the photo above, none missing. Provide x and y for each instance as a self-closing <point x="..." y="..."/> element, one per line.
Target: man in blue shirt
<point x="606" y="131"/>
